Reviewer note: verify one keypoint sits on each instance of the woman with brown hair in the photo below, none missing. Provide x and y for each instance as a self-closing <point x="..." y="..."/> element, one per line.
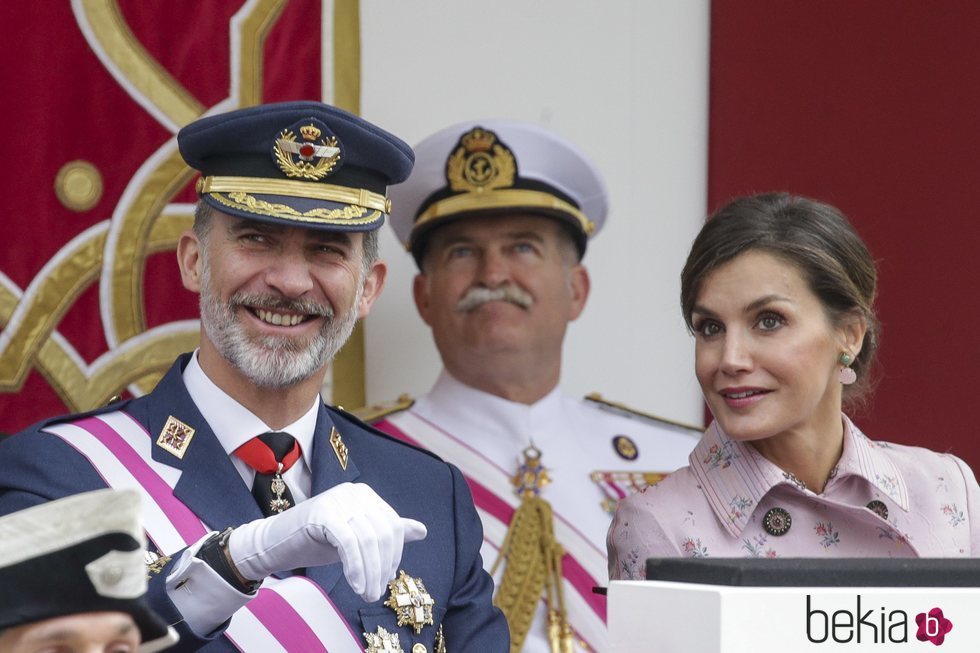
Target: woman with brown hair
<point x="778" y="291"/>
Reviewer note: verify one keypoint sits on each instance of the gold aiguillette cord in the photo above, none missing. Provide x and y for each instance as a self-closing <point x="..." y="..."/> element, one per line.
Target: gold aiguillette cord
<point x="532" y="562"/>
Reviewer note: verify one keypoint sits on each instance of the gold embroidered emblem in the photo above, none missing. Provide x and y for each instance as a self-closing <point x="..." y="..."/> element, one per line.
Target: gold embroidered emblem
<point x="175" y="437"/>
<point x="411" y="603"/>
<point x="306" y="159"/>
<point x="339" y="447"/>
<point x="480" y="162"/>
<point x="382" y="642"/>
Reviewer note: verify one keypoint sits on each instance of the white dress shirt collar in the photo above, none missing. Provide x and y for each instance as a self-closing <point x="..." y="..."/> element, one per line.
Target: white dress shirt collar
<point x="234" y="425"/>
<point x="505" y="426"/>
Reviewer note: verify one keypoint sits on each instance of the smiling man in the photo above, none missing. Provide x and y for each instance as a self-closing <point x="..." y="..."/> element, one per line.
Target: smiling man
<point x="278" y="523"/>
<point x="497" y="215"/>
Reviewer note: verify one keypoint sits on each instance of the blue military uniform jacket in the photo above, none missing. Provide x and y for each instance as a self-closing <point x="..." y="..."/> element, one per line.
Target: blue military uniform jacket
<point x="37" y="467"/>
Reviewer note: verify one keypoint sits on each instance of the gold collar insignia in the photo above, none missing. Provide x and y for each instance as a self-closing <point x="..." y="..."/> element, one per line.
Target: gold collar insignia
<point x="175" y="437"/>
<point x="339" y="448"/>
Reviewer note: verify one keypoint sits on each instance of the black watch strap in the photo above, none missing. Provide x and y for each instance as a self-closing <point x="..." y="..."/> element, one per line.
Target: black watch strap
<point x="213" y="552"/>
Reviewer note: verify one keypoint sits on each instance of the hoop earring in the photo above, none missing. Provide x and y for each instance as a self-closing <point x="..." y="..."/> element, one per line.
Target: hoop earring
<point x="846" y="376"/>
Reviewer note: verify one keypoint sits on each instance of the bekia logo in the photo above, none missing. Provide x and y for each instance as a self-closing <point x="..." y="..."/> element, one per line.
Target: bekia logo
<point x="933" y="626"/>
<point x="876" y="625"/>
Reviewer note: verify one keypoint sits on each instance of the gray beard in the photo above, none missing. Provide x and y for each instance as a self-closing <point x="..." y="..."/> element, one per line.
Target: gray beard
<point x="269" y="361"/>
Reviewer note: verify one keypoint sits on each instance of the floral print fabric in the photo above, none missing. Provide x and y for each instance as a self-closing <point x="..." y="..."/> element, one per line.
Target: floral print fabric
<point x="882" y="500"/>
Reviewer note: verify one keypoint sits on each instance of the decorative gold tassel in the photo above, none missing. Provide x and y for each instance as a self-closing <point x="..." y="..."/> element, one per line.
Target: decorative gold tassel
<point x="561" y="639"/>
<point x="533" y="562"/>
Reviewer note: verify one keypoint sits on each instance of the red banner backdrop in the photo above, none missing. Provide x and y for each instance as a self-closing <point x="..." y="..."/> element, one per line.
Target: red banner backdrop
<point x="95" y="191"/>
<point x="872" y="106"/>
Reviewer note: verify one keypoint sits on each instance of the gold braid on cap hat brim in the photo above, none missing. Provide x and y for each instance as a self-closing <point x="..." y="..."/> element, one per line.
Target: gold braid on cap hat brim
<point x="506" y="198"/>
<point x="237" y="192"/>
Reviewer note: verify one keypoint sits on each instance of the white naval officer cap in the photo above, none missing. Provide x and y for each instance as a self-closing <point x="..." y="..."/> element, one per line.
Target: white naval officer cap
<point x="485" y="167"/>
<point x="83" y="553"/>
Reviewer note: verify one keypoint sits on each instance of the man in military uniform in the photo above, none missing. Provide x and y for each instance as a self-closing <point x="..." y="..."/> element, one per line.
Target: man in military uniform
<point x="497" y="216"/>
<point x="279" y="523"/>
<point x="74" y="577"/>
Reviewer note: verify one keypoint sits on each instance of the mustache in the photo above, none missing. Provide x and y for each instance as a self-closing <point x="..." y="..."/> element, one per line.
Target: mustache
<point x="276" y="303"/>
<point x="479" y="295"/>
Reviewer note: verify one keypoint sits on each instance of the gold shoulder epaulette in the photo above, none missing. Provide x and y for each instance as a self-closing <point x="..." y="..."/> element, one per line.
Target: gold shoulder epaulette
<point x="373" y="413"/>
<point x="626" y="411"/>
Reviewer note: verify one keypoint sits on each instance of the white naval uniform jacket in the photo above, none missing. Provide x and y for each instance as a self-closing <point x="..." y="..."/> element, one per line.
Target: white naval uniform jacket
<point x="485" y="435"/>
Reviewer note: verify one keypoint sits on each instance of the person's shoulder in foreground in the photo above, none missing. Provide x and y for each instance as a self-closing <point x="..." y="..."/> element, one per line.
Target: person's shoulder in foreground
<point x="74" y="578"/>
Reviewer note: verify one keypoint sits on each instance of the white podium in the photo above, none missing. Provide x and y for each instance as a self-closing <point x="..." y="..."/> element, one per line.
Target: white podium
<point x="660" y="616"/>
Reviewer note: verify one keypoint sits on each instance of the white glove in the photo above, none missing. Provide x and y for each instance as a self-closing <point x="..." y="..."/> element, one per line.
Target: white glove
<point x="348" y="523"/>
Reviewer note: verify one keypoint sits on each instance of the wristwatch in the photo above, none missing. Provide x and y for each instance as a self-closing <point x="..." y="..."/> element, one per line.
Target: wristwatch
<point x="214" y="552"/>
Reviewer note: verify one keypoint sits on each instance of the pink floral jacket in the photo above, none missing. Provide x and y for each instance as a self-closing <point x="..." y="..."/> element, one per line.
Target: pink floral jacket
<point x="882" y="500"/>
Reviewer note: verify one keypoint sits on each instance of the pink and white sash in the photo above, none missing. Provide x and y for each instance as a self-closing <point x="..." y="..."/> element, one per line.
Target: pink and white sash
<point x="495" y="502"/>
<point x="292" y="614"/>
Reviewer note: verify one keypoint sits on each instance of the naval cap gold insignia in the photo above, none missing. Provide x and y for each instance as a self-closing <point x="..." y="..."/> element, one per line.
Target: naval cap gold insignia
<point x="339" y="448"/>
<point x="307" y="156"/>
<point x="411" y="603"/>
<point x="175" y="436"/>
<point x="381" y="641"/>
<point x="480" y="162"/>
